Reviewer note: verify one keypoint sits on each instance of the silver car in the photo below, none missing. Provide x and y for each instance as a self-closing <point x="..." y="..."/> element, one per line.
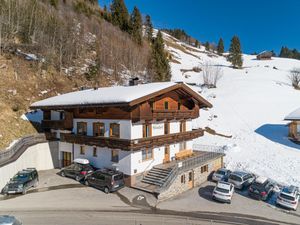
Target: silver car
<point x="221" y="175"/>
<point x="9" y="220"/>
<point x="240" y="179"/>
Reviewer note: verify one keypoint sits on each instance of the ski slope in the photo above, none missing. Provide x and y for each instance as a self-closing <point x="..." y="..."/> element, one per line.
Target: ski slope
<point x="249" y="104"/>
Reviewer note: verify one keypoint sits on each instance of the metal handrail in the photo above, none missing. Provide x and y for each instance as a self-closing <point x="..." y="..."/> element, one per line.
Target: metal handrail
<point x="24" y="142"/>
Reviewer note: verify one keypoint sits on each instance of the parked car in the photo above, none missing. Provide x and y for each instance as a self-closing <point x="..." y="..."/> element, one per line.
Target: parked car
<point x="77" y="170"/>
<point x="221" y="175"/>
<point x="223" y="192"/>
<point x="240" y="179"/>
<point x="22" y="182"/>
<point x="289" y="197"/>
<point x="106" y="179"/>
<point x="9" y="220"/>
<point x="261" y="188"/>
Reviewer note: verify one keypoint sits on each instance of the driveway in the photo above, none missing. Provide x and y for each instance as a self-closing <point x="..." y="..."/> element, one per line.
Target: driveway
<point x="59" y="200"/>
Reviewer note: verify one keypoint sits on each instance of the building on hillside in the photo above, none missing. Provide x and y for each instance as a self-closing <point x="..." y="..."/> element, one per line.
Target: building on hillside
<point x="265" y="55"/>
<point x="294" y="125"/>
<point x="144" y="130"/>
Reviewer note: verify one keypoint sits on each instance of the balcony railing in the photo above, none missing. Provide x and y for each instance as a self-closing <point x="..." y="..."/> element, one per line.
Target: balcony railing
<point x="173" y="114"/>
<point x="56" y="124"/>
<point x="135" y="144"/>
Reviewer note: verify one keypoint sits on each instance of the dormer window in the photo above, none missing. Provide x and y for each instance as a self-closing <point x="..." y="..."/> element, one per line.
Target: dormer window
<point x="166" y="105"/>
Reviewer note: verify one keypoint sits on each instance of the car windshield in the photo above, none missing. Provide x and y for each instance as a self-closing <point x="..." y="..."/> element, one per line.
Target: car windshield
<point x="222" y="190"/>
<point x="236" y="178"/>
<point x="86" y="167"/>
<point x="118" y="177"/>
<point x="221" y="172"/>
<point x="291" y="198"/>
<point x="21" y="176"/>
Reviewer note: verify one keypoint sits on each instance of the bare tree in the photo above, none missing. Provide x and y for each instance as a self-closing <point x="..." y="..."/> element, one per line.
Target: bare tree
<point x="294" y="78"/>
<point x="211" y="74"/>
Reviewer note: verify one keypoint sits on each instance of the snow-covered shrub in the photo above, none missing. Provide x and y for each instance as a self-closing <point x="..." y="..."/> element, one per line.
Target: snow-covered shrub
<point x="294" y="78"/>
<point x="211" y="74"/>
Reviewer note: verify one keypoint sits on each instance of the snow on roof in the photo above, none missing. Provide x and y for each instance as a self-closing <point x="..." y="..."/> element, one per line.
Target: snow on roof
<point x="106" y="95"/>
<point x="295" y="115"/>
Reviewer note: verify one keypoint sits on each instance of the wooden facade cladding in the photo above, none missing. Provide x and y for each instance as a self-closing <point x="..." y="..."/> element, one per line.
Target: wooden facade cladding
<point x="132" y="145"/>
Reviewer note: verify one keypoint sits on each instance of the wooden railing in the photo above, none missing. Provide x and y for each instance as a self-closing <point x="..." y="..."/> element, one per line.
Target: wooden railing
<point x="56" y="124"/>
<point x="135" y="144"/>
<point x="174" y="114"/>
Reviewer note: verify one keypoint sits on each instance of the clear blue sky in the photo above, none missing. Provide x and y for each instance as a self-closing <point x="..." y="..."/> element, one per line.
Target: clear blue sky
<point x="260" y="24"/>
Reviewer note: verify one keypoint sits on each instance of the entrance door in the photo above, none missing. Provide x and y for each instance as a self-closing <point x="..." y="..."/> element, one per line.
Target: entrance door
<point x="66" y="159"/>
<point x="191" y="179"/>
<point x="167" y="154"/>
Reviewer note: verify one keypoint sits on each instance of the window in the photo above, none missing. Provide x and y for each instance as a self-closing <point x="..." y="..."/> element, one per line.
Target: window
<point x="190" y="176"/>
<point x="95" y="151"/>
<point x="182" y="146"/>
<point x="115" y="156"/>
<point x="81" y="128"/>
<point x="178" y="106"/>
<point x="204" y="169"/>
<point x="183" y="179"/>
<point x="61" y="115"/>
<point x="152" y="105"/>
<point x="166" y="105"/>
<point x="99" y="129"/>
<point x="147" y="130"/>
<point x="183" y="126"/>
<point x="115" y="130"/>
<point x="167" y="127"/>
<point x="82" y="150"/>
<point x="147" y="154"/>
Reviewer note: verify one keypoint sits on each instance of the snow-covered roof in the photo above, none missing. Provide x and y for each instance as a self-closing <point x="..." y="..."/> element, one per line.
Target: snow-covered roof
<point x="108" y="95"/>
<point x="295" y="115"/>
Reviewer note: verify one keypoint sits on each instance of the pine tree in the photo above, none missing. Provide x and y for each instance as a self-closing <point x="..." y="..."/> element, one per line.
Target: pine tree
<point x="106" y="14"/>
<point x="136" y="26"/>
<point x="220" y="47"/>
<point x="120" y="16"/>
<point x="196" y="43"/>
<point x="235" y="53"/>
<point x="149" y="28"/>
<point x="159" y="61"/>
<point x="207" y="47"/>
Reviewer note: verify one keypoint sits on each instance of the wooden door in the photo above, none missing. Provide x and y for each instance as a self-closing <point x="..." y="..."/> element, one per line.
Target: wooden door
<point x="191" y="179"/>
<point x="167" y="154"/>
<point x="66" y="159"/>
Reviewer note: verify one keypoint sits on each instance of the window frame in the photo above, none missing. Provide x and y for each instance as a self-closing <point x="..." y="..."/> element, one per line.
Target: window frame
<point x="115" y="156"/>
<point x="182" y="126"/>
<point x="204" y="168"/>
<point x="147" y="151"/>
<point x="111" y="130"/>
<point x="167" y="125"/>
<point x="84" y="130"/>
<point x="147" y="132"/>
<point x="96" y="127"/>
<point x="82" y="150"/>
<point x="166" y="105"/>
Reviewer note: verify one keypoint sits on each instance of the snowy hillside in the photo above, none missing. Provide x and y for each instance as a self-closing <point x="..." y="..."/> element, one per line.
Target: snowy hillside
<point x="249" y="104"/>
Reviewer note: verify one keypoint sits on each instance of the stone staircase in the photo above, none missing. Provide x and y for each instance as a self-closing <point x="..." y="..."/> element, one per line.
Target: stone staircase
<point x="157" y="176"/>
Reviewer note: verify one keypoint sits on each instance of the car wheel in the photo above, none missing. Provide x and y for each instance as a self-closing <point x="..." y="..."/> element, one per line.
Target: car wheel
<point x="77" y="178"/>
<point x="24" y="192"/>
<point x="106" y="190"/>
<point x="62" y="173"/>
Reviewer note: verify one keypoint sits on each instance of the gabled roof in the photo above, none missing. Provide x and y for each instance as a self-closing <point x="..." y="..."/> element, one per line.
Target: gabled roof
<point x="295" y="115"/>
<point x="117" y="95"/>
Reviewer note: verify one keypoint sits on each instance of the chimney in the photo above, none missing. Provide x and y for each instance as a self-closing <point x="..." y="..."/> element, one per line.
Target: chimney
<point x="133" y="81"/>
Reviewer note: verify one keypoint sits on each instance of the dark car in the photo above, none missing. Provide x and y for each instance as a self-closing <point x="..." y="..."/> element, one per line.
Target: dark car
<point x="106" y="179"/>
<point x="78" y="170"/>
<point x="9" y="220"/>
<point x="261" y="189"/>
<point x="22" y="182"/>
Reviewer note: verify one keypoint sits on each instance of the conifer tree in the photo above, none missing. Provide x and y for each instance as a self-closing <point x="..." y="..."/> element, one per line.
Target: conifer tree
<point x="220" y="47"/>
<point x="159" y="60"/>
<point x="136" y="26"/>
<point x="196" y="43"/>
<point x="235" y="53"/>
<point x="106" y="14"/>
<point x="148" y="28"/>
<point x="207" y="47"/>
<point x="119" y="14"/>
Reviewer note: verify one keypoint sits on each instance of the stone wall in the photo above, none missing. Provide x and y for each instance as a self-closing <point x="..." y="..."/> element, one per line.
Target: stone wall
<point x="198" y="174"/>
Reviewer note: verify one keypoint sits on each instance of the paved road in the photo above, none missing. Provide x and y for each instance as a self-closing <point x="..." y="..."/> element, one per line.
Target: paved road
<point x="60" y="200"/>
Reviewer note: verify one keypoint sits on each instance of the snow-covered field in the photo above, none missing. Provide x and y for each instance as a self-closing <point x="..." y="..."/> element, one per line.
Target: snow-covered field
<point x="249" y="104"/>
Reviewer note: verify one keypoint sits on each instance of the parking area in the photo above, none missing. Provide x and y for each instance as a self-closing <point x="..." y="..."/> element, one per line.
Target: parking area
<point x="60" y="194"/>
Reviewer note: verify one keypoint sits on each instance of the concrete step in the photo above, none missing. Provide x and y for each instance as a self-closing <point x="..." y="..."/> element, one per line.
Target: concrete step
<point x="157" y="174"/>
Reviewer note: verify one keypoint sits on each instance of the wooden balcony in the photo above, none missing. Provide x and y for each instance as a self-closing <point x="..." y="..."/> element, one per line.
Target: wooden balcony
<point x="174" y="114"/>
<point x="131" y="145"/>
<point x="57" y="124"/>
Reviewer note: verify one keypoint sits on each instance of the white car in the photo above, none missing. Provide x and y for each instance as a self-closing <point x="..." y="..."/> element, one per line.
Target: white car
<point x="289" y="197"/>
<point x="223" y="192"/>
